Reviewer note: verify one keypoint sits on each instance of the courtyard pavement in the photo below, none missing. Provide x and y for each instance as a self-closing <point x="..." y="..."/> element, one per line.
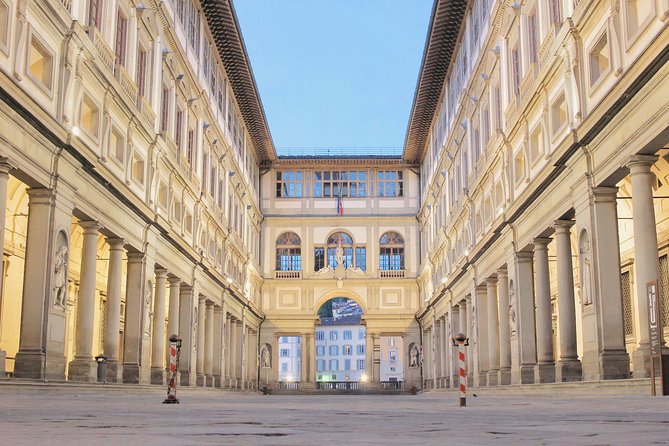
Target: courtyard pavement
<point x="76" y="417"/>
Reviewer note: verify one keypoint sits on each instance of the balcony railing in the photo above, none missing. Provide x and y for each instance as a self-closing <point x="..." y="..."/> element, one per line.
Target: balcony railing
<point x="392" y="385"/>
<point x="546" y="47"/>
<point x="337" y="385"/>
<point x="104" y="50"/>
<point x="146" y="110"/>
<point x="287" y="274"/>
<point x="391" y="274"/>
<point x="289" y="385"/>
<point x="127" y="84"/>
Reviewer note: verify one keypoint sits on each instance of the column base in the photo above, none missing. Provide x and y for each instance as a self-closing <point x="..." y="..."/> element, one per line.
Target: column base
<point x="29" y="365"/>
<point x="200" y="380"/>
<point x="505" y="377"/>
<point x="493" y="378"/>
<point x="568" y="371"/>
<point x="158" y="376"/>
<point x="218" y="381"/>
<point x="55" y="368"/>
<point x="614" y="365"/>
<point x="113" y="374"/>
<point x="526" y="374"/>
<point x="83" y="370"/>
<point x="641" y="362"/>
<point x="131" y="373"/>
<point x="482" y="379"/>
<point x="186" y="378"/>
<point x="544" y="373"/>
<point x="209" y="381"/>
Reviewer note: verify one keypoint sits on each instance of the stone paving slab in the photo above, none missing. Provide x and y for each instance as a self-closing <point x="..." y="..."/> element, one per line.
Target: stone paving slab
<point x="69" y="417"/>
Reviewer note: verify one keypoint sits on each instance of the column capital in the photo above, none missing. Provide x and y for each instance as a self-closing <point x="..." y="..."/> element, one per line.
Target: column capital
<point x="541" y="243"/>
<point x="115" y="243"/>
<point x="201" y="299"/>
<point x="640" y="163"/>
<point x="502" y="273"/>
<point x="40" y="195"/>
<point x="186" y="289"/>
<point x="491" y="281"/>
<point x="91" y="227"/>
<point x="563" y="226"/>
<point x="161" y="273"/>
<point x="135" y="257"/>
<point x="524" y="256"/>
<point x="604" y="194"/>
<point x="218" y="309"/>
<point x="173" y="280"/>
<point x="481" y="289"/>
<point x="209" y="304"/>
<point x="5" y="166"/>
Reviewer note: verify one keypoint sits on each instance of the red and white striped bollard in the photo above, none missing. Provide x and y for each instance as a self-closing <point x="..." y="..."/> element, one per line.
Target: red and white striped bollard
<point x="461" y="341"/>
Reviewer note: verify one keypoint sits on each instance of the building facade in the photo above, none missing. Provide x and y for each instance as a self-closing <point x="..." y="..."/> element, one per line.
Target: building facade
<point x="143" y="197"/>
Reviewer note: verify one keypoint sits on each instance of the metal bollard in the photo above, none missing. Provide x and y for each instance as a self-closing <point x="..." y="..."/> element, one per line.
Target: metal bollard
<point x="175" y="351"/>
<point x="102" y="368"/>
<point x="461" y="341"/>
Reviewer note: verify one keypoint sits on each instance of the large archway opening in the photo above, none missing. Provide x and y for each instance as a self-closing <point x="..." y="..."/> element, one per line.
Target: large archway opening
<point x="341" y="351"/>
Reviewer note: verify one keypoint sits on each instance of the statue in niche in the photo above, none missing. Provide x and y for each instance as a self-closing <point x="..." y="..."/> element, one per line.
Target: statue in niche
<point x="413" y="356"/>
<point x="60" y="277"/>
<point x="512" y="309"/>
<point x="586" y="280"/>
<point x="147" y="308"/>
<point x="266" y="357"/>
<point x="339" y="255"/>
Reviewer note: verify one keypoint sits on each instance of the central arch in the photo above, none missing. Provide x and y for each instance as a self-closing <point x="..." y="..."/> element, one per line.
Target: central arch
<point x="339" y="293"/>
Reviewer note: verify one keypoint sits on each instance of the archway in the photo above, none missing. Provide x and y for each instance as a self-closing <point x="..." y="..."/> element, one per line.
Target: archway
<point x="341" y="350"/>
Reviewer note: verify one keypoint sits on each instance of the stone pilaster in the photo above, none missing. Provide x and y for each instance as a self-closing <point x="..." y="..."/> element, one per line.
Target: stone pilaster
<point x="83" y="366"/>
<point x="4" y="178"/>
<point x="522" y="320"/>
<point x="480" y="317"/>
<point x="209" y="345"/>
<point x="136" y="292"/>
<point x="568" y="367"/>
<point x="217" y="359"/>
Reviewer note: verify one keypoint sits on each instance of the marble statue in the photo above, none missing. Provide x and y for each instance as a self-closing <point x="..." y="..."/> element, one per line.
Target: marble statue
<point x="60" y="277"/>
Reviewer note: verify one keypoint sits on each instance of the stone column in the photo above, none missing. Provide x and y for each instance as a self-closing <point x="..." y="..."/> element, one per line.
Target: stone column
<point x="83" y="366"/>
<point x="480" y="317"/>
<point x="522" y="318"/>
<point x="233" y="353"/>
<point x="311" y="352"/>
<point x="113" y="309"/>
<point x="504" y="331"/>
<point x="31" y="360"/>
<point x="369" y="356"/>
<point x="303" y="360"/>
<point x="470" y="334"/>
<point x="209" y="345"/>
<point x="568" y="367"/>
<point x="241" y="355"/>
<point x="545" y="370"/>
<point x="173" y="315"/>
<point x="605" y="247"/>
<point x="4" y="178"/>
<point x="444" y="348"/>
<point x="158" y="335"/>
<point x="201" y="327"/>
<point x="134" y="304"/>
<point x="187" y="312"/>
<point x="217" y="359"/>
<point x="229" y="351"/>
<point x="376" y="376"/>
<point x="434" y="352"/>
<point x="646" y="262"/>
<point x="493" y="331"/>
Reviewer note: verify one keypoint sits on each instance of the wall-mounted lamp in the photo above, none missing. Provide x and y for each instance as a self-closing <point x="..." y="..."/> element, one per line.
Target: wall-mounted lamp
<point x="231" y="173"/>
<point x="180" y="77"/>
<point x="205" y="125"/>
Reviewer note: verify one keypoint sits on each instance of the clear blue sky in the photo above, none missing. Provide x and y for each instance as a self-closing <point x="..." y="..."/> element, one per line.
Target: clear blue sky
<point x="335" y="73"/>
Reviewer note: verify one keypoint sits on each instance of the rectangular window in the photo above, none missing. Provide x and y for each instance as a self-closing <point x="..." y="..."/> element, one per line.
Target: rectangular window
<point x="348" y="334"/>
<point x="284" y="352"/>
<point x="334" y="365"/>
<point x="95" y="13"/>
<point x="361" y="349"/>
<point x="389" y="183"/>
<point x="333" y="335"/>
<point x="333" y="350"/>
<point x="361" y="257"/>
<point x="141" y="71"/>
<point x="117" y="145"/>
<point x="121" y="36"/>
<point x="320" y="336"/>
<point x="289" y="184"/>
<point x="391" y="258"/>
<point x="40" y="63"/>
<point x="361" y="364"/>
<point x="340" y="183"/>
<point x="288" y="259"/>
<point x="284" y="367"/>
<point x="320" y="350"/>
<point x="361" y="334"/>
<point x="347" y="350"/>
<point x="347" y="364"/>
<point x="191" y="146"/>
<point x="532" y="36"/>
<point x="498" y="108"/>
<point x="164" y="108"/>
<point x="515" y="70"/>
<point x="556" y="12"/>
<point x="319" y="259"/>
<point x="320" y="365"/>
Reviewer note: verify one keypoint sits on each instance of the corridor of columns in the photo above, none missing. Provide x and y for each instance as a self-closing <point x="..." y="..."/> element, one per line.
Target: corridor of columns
<point x="93" y="292"/>
<point x="571" y="304"/>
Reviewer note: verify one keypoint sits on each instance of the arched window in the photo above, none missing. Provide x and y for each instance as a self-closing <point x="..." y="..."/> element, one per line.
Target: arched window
<point x="391" y="252"/>
<point x="288" y="252"/>
<point x="346" y="242"/>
